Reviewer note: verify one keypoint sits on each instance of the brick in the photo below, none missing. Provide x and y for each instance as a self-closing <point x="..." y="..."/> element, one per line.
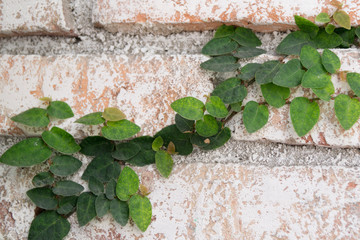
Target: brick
<point x="216" y="201"/>
<point x="173" y="16"/>
<point x="35" y="17"/>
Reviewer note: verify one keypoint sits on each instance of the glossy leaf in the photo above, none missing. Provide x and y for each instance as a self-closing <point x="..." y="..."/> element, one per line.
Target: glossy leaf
<point x="255" y="116"/>
<point x="120" y="211"/>
<point x="230" y="91"/>
<point x="347" y="110"/>
<point x="140" y="211"/>
<point x="60" y="140"/>
<point x="267" y="72"/>
<point x="304" y="115"/>
<point x="275" y="95"/>
<point x="26" y="153"/>
<point x="315" y="77"/>
<point x="216" y="107"/>
<point x="354" y="82"/>
<point x="43" y="179"/>
<point x="224" y="31"/>
<point x="325" y="92"/>
<point x="110" y="189"/>
<point x="96" y="146"/>
<point x="102" y="205"/>
<point x="330" y="61"/>
<point x="60" y="110"/>
<point x="306" y="26"/>
<point x="325" y="40"/>
<point x="329" y="28"/>
<point x="43" y="198"/>
<point x="245" y="37"/>
<point x="248" y="52"/>
<point x="219" y="46"/>
<point x="67" y="188"/>
<point x="64" y="165"/>
<point x="127" y="184"/>
<point x="292" y="43"/>
<point x="189" y="108"/>
<point x="34" y="117"/>
<point x="113" y="114"/>
<point x="98" y="168"/>
<point x="290" y="74"/>
<point x="95" y="186"/>
<point x="67" y="205"/>
<point x="342" y="18"/>
<point x="323" y="18"/>
<point x="207" y="127"/>
<point x="183" y="124"/>
<point x="181" y="140"/>
<point x="247" y="72"/>
<point x="91" y="119"/>
<point x="85" y="208"/>
<point x="120" y="130"/>
<point x="157" y="143"/>
<point x="146" y="155"/>
<point x="125" y="151"/>
<point x="221" y="64"/>
<point x="309" y="56"/>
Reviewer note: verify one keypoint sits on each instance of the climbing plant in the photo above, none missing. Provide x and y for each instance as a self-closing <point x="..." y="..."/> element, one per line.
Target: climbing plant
<point x="115" y="188"/>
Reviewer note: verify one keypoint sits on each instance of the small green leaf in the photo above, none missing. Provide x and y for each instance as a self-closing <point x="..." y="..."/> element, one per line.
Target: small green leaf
<point x="34" y="117"/>
<point x="347" y="110"/>
<point x="348" y="36"/>
<point x="120" y="130"/>
<point x="140" y="211"/>
<point x="157" y="143"/>
<point x="60" y="140"/>
<point x="95" y="186"/>
<point x="236" y="107"/>
<point x="125" y="151"/>
<point x="255" y="116"/>
<point x="315" y="77"/>
<point x="212" y="142"/>
<point x="67" y="188"/>
<point x="91" y="119"/>
<point x="102" y="205"/>
<point x="304" y="115"/>
<point x="85" y="208"/>
<point x="230" y="91"/>
<point x="224" y="31"/>
<point x="45" y="99"/>
<point x="323" y="18"/>
<point x="127" y="185"/>
<point x="183" y="124"/>
<point x="289" y="74"/>
<point x="325" y="40"/>
<point x="342" y="18"/>
<point x="330" y="61"/>
<point x="67" y="205"/>
<point x="64" y="165"/>
<point x="219" y="46"/>
<point x="96" y="146"/>
<point x="113" y="114"/>
<point x="292" y="43"/>
<point x="43" y="198"/>
<point x="49" y="225"/>
<point x="357" y="32"/>
<point x="110" y="189"/>
<point x="267" y="72"/>
<point x="245" y="37"/>
<point x="329" y="28"/>
<point x="275" y="95"/>
<point x="120" y="211"/>
<point x="247" y="72"/>
<point x="354" y="82"/>
<point x="164" y="163"/>
<point x="146" y="155"/>
<point x="309" y="56"/>
<point x="248" y="52"/>
<point x="60" y="110"/>
<point x="325" y="92"/>
<point x="98" y="168"/>
<point x="207" y="127"/>
<point x="306" y="26"/>
<point x="189" y="108"/>
<point x="216" y="107"/>
<point x="221" y="64"/>
<point x="26" y="153"/>
<point x="43" y="179"/>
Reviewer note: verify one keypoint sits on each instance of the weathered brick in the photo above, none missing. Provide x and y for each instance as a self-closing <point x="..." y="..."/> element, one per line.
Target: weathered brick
<point x="173" y="16"/>
<point x="35" y="17"/>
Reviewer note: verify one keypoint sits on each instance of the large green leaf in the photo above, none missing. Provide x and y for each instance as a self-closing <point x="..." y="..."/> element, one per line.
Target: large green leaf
<point x="224" y="31"/>
<point x="330" y="61"/>
<point x="189" y="108"/>
<point x="164" y="163"/>
<point x="98" y="168"/>
<point x="113" y="114"/>
<point x="275" y="95"/>
<point x="43" y="179"/>
<point x="304" y="115"/>
<point x="219" y="46"/>
<point x="102" y="205"/>
<point x="325" y="92"/>
<point x="26" y="153"/>
<point x="212" y="142"/>
<point x="216" y="107"/>
<point x="342" y="18"/>
<point x="315" y="77"/>
<point x="267" y="72"/>
<point x="354" y="82"/>
<point x="120" y="211"/>
<point x="49" y="225"/>
<point x="207" y="127"/>
<point x="246" y="37"/>
<point x="43" y="198"/>
<point x="85" y="208"/>
<point x="34" y="117"/>
<point x="221" y="64"/>
<point x="290" y="74"/>
<point x="67" y="188"/>
<point x="140" y="211"/>
<point x="60" y="110"/>
<point x="96" y="146"/>
<point x="306" y="26"/>
<point x="127" y="184"/>
<point x="67" y="204"/>
<point x="181" y="140"/>
<point x="248" y="52"/>
<point x="325" y="40"/>
<point x="91" y="119"/>
<point x="230" y="91"/>
<point x="323" y="18"/>
<point x="292" y="43"/>
<point x="120" y="130"/>
<point x="248" y="71"/>
<point x="125" y="151"/>
<point x="255" y="116"/>
<point x="347" y="110"/>
<point x="183" y="124"/>
<point x="96" y="186"/>
<point x="60" y="140"/>
<point x="146" y="155"/>
<point x="64" y="165"/>
<point x="309" y="56"/>
<point x="110" y="189"/>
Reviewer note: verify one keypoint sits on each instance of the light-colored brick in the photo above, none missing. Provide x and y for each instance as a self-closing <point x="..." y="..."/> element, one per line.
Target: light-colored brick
<point x="35" y="17"/>
<point x="172" y="16"/>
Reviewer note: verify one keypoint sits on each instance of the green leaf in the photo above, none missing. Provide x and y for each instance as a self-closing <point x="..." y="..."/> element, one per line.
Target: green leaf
<point x="325" y="92"/>
<point x="120" y="130"/>
<point x="140" y="211"/>
<point x="354" y="82"/>
<point x="91" y="119"/>
<point x="325" y="40"/>
<point x="247" y="72"/>
<point x="248" y="52"/>
<point x="207" y="127"/>
<point x="146" y="155"/>
<point x="292" y="43"/>
<point x="275" y="95"/>
<point x="60" y="110"/>
<point x="323" y="18"/>
<point x="329" y="28"/>
<point x="98" y="168"/>
<point x="49" y="225"/>
<point x="65" y="165"/>
<point x="181" y="140"/>
<point x="34" y="117"/>
<point x="125" y="151"/>
<point x="219" y="46"/>
<point x="267" y="72"/>
<point x="212" y="142"/>
<point x="43" y="198"/>
<point x="348" y="36"/>
<point x="127" y="185"/>
<point x="245" y="37"/>
<point x="60" y="140"/>
<point x="357" y="32"/>
<point x="67" y="205"/>
<point x="330" y="61"/>
<point x="309" y="56"/>
<point x="113" y="114"/>
<point x="102" y="205"/>
<point x="189" y="108"/>
<point x="96" y="146"/>
<point x="342" y="18"/>
<point x="289" y="74"/>
<point x="221" y="64"/>
<point x="110" y="189"/>
<point x="306" y="26"/>
<point x="113" y="171"/>
<point x="85" y="208"/>
<point x="120" y="211"/>
<point x="26" y="153"/>
<point x="216" y="107"/>
<point x="45" y="99"/>
<point x="347" y="110"/>
<point x="315" y="77"/>
<point x="183" y="124"/>
<point x="95" y="186"/>
<point x="255" y="116"/>
<point x="224" y="31"/>
<point x="43" y="179"/>
<point x="164" y="163"/>
<point x="230" y="91"/>
<point x="236" y="107"/>
<point x="67" y="188"/>
<point x="157" y="144"/>
<point x="304" y="115"/>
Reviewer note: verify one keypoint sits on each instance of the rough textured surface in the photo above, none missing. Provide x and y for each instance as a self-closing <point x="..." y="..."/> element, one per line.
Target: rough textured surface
<point x="170" y="16"/>
<point x="35" y="17"/>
